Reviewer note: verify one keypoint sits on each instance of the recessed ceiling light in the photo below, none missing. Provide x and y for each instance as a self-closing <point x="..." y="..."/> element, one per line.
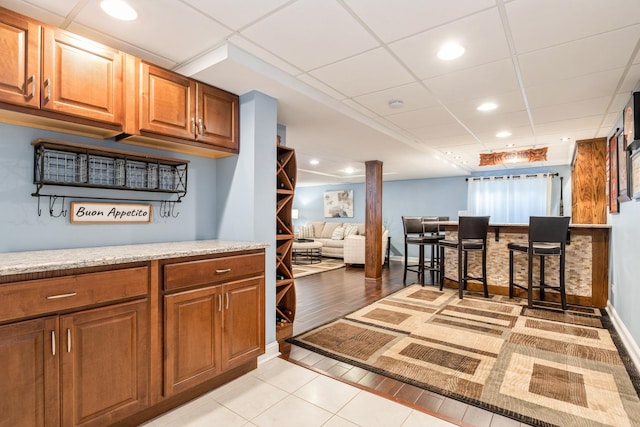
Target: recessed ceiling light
<point x="503" y="134"/>
<point x="396" y="103"/>
<point x="119" y="9"/>
<point x="314" y="162"/>
<point x="565" y="139"/>
<point x="448" y="153"/>
<point x="510" y="145"/>
<point x="349" y="170"/>
<point x="451" y="50"/>
<point x="487" y="106"/>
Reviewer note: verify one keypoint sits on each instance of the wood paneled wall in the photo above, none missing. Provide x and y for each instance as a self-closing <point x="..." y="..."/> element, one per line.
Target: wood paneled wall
<point x="588" y="182"/>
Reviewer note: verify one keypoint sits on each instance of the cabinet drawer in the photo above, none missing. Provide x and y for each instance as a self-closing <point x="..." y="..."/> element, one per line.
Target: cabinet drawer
<point x="208" y="271"/>
<point x="34" y="297"/>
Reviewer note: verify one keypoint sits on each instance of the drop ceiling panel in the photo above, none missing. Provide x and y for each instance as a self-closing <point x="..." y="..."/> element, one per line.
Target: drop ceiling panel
<point x="381" y="69"/>
<point x="483" y="81"/>
<point x="414" y="97"/>
<point x="631" y="80"/>
<point x="311" y="33"/>
<point x="574" y="110"/>
<point x="590" y="55"/>
<point x="481" y="34"/>
<point x="402" y="18"/>
<point x="575" y="89"/>
<point x="495" y="123"/>
<point x="190" y="33"/>
<point x="58" y="7"/>
<point x="536" y="24"/>
<point x="424" y="117"/>
<point x="564" y="127"/>
<point x="467" y="110"/>
<point x="236" y="14"/>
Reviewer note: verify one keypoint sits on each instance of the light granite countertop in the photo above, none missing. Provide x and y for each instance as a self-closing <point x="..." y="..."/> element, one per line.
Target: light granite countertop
<point x="61" y="259"/>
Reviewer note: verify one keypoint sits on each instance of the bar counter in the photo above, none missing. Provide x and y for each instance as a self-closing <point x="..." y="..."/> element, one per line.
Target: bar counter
<point x="586" y="269"/>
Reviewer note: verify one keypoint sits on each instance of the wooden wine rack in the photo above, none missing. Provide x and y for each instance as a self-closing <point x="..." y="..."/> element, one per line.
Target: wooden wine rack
<point x="285" y="287"/>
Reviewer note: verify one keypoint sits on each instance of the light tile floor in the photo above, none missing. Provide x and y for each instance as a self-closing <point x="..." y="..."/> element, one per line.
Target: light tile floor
<point x="282" y="394"/>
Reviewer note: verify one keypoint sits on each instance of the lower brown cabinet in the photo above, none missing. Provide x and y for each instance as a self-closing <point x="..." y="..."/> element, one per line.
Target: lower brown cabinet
<point x="212" y="329"/>
<point x="89" y="368"/>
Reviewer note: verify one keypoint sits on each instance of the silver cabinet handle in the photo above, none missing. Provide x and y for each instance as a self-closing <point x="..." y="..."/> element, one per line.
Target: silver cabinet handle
<point x="226" y="300"/>
<point x="200" y="127"/>
<point x="47" y="83"/>
<point x="68" y="340"/>
<point x="193" y="125"/>
<point x="53" y="343"/>
<point x="222" y="271"/>
<point x="71" y="294"/>
<point x="31" y="80"/>
<point x="219" y="302"/>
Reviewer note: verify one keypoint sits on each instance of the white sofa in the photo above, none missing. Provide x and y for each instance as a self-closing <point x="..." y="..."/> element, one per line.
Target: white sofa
<point x="351" y="248"/>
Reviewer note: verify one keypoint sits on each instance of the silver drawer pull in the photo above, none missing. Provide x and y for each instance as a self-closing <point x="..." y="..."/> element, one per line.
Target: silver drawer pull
<point x="72" y="294"/>
<point x="226" y="270"/>
<point x="53" y="343"/>
<point x="68" y="340"/>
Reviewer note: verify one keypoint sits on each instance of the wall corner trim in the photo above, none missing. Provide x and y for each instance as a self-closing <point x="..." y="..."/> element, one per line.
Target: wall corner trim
<point x="627" y="340"/>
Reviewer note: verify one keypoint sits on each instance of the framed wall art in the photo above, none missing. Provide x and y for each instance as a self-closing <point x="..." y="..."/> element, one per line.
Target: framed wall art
<point x="614" y="206"/>
<point x="338" y="204"/>
<point x="634" y="169"/>
<point x="623" y="178"/>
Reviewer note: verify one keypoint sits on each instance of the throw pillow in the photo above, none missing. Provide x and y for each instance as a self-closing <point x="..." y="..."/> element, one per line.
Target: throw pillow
<point x="338" y="233"/>
<point x="350" y="230"/>
<point x="306" y="231"/>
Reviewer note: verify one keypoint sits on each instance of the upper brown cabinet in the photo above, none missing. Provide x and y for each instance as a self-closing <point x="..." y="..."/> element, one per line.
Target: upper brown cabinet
<point x="61" y="81"/>
<point x="177" y="113"/>
<point x="20" y="64"/>
<point x="81" y="77"/>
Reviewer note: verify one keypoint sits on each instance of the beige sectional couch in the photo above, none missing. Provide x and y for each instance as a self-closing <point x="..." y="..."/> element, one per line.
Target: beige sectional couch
<point x="332" y="236"/>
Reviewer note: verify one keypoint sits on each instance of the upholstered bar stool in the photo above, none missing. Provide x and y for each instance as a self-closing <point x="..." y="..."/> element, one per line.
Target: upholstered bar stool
<point x="547" y="237"/>
<point x="414" y="235"/>
<point x="472" y="237"/>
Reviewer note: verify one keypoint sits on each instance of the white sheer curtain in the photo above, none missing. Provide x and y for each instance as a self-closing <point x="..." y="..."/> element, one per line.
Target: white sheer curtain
<point x="510" y="199"/>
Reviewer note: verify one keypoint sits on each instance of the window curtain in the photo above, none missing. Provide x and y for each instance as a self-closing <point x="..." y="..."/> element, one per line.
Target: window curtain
<point x="510" y="199"/>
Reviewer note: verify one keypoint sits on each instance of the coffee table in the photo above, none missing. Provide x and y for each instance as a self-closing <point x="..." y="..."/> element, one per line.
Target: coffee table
<point x="306" y="251"/>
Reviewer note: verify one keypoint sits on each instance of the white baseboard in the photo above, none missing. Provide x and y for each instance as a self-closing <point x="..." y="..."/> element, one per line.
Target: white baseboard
<point x="627" y="340"/>
<point x="271" y="351"/>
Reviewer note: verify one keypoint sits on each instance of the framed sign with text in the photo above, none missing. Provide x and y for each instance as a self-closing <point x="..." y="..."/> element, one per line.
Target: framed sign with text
<point x="110" y="213"/>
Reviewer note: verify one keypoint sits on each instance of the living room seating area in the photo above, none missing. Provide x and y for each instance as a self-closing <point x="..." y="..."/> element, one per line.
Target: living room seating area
<point x="345" y="240"/>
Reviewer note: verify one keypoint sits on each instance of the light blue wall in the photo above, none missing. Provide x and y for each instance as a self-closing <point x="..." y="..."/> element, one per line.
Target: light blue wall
<point x="246" y="202"/>
<point x="624" y="286"/>
<point x="22" y="229"/>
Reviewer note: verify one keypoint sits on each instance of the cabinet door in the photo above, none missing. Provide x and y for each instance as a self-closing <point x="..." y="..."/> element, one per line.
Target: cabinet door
<point x="29" y="372"/>
<point x="167" y="104"/>
<point x="217" y="114"/>
<point x="192" y="338"/>
<point x="20" y="63"/>
<point x="81" y="77"/>
<point x="105" y="364"/>
<point x="243" y="325"/>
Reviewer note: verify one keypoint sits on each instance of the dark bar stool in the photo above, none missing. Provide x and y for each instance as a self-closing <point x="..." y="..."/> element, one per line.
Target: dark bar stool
<point x="547" y="237"/>
<point x="472" y="237"/>
<point x="414" y="234"/>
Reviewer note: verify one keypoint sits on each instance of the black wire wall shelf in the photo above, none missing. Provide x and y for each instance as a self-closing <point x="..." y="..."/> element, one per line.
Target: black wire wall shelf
<point x="65" y="164"/>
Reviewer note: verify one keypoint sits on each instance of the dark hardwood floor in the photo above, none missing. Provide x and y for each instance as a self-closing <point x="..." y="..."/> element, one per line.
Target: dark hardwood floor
<point x="324" y="297"/>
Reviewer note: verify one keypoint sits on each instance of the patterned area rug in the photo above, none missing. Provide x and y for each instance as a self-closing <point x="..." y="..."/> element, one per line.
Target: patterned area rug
<point x="539" y="366"/>
<point x="327" y="264"/>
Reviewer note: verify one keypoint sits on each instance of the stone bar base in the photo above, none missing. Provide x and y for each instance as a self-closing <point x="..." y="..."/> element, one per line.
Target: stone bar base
<point x="586" y="270"/>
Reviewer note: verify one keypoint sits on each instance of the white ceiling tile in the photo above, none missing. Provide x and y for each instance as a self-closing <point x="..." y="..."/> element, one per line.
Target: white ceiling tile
<point x="58" y="7"/>
<point x="190" y="32"/>
<point x="236" y="14"/>
<point x="414" y="96"/>
<point x="382" y="71"/>
<point x="573" y="110"/>
<point x="467" y="110"/>
<point x="358" y="107"/>
<point x="443" y="135"/>
<point x="631" y="80"/>
<point x="563" y="127"/>
<point x="424" y="117"/>
<point x="317" y="84"/>
<point x="574" y="89"/>
<point x="485" y="80"/>
<point x="537" y="24"/>
<point x="400" y="18"/>
<point x="311" y="33"/>
<point x="481" y="35"/>
<point x="262" y="54"/>
<point x="499" y="122"/>
<point x="590" y="55"/>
